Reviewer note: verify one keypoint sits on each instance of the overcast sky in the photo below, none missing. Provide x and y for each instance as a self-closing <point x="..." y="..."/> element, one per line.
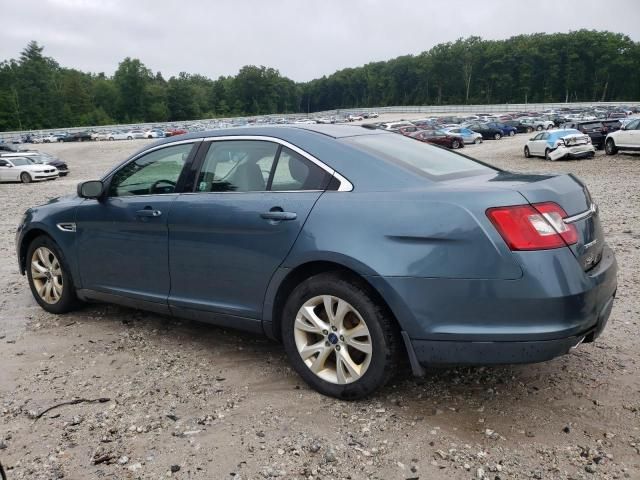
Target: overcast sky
<point x="304" y="39"/>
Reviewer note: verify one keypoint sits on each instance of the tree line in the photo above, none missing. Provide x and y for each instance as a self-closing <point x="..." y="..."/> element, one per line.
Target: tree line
<point x="36" y="92"/>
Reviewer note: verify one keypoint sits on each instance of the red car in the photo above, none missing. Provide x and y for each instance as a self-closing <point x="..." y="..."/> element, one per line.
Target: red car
<point x="407" y="131"/>
<point x="172" y="132"/>
<point x="439" y="137"/>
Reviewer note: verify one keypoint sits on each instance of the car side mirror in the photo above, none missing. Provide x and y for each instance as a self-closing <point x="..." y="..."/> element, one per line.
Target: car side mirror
<point x="91" y="189"/>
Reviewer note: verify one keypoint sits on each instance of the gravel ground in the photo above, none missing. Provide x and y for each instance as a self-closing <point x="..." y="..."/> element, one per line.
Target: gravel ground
<point x="195" y="401"/>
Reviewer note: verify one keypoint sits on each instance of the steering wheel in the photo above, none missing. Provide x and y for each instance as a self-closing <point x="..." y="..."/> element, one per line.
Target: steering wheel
<point x="155" y="184"/>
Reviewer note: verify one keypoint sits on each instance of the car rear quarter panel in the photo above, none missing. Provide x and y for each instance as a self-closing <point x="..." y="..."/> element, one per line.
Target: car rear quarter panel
<point x="427" y="233"/>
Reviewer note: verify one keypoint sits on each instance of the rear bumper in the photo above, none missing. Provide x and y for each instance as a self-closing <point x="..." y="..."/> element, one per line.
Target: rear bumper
<point x="553" y="307"/>
<point x="434" y="352"/>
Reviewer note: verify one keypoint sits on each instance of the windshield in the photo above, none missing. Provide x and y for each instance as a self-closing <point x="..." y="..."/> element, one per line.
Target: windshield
<point x="428" y="160"/>
<point x="21" y="161"/>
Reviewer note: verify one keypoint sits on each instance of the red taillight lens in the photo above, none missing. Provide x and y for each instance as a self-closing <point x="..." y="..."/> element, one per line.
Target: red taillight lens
<point x="533" y="227"/>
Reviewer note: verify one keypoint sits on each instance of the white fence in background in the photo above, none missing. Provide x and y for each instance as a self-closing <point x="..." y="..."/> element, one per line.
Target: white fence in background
<point x="422" y="109"/>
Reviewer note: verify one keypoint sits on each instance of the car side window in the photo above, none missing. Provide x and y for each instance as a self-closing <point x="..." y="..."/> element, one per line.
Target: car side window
<point x="544" y="136"/>
<point x="4" y="163"/>
<point x="237" y="166"/>
<point x="538" y="137"/>
<point x="294" y="172"/>
<point x="155" y="173"/>
<point x="634" y="125"/>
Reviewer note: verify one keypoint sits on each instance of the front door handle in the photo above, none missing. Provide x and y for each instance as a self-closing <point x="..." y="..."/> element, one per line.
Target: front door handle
<point x="148" y="212"/>
<point x="279" y="216"/>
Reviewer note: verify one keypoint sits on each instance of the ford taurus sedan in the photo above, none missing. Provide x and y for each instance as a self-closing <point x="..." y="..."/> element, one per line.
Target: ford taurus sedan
<point x="356" y="248"/>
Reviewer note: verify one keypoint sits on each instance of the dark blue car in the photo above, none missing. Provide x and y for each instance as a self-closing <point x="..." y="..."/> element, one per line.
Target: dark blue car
<point x="507" y="130"/>
<point x="355" y="248"/>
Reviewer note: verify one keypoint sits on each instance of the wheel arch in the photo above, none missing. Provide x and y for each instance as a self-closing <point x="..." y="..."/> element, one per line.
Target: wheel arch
<point x="290" y="278"/>
<point x="26" y="240"/>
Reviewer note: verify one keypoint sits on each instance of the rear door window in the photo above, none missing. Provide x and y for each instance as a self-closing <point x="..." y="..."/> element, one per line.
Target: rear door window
<point x="294" y="172"/>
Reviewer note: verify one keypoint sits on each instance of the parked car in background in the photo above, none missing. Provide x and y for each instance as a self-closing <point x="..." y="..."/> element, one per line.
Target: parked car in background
<point x="538" y="123"/>
<point x="394" y="125"/>
<point x="154" y="133"/>
<point x="407" y="130"/>
<point x="617" y="115"/>
<point x="487" y="132"/>
<point x="76" y="137"/>
<point x="134" y="134"/>
<point x="507" y="130"/>
<point x="353" y="117"/>
<point x="593" y="128"/>
<point x="610" y="126"/>
<point x="507" y="267"/>
<point x="467" y="135"/>
<point x="39" y="158"/>
<point x="101" y="136"/>
<point x="627" y="138"/>
<point x="439" y="137"/>
<point x="519" y="126"/>
<point x="565" y="143"/>
<point x="172" y="132"/>
<point x="53" y="138"/>
<point x="117" y="135"/>
<point x="22" y="169"/>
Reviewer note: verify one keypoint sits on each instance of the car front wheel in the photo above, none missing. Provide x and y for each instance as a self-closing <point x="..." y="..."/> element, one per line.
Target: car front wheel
<point x="455" y="144"/>
<point x="25" y="177"/>
<point x="527" y="153"/>
<point x="497" y="136"/>
<point x="338" y="338"/>
<point x="511" y="133"/>
<point x="49" y="278"/>
<point x="610" y="147"/>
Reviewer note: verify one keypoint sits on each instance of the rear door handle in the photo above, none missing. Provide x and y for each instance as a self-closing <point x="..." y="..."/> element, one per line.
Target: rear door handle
<point x="148" y="212"/>
<point x="279" y="216"/>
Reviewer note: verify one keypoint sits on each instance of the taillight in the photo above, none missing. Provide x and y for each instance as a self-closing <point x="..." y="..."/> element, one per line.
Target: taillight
<point x="533" y="227"/>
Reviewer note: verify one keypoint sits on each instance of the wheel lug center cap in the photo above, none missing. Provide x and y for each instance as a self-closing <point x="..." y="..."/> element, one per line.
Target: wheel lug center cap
<point x="333" y="338"/>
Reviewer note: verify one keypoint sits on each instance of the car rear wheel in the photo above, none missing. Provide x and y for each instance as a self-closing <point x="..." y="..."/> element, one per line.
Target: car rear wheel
<point x="539" y="127"/>
<point x="129" y="138"/>
<point x="497" y="136"/>
<point x="25" y="177"/>
<point x="478" y="140"/>
<point x="49" y="278"/>
<point x="610" y="147"/>
<point x="529" y="129"/>
<point x="338" y="338"/>
<point x="527" y="153"/>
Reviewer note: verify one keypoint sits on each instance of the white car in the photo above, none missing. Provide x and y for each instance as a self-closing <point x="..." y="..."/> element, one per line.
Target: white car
<point x="131" y="134"/>
<point x="468" y="135"/>
<point x="154" y="133"/>
<point x="373" y="115"/>
<point x="538" y="123"/>
<point x="101" y="136"/>
<point x="53" y="138"/>
<point x="355" y="118"/>
<point x="21" y="169"/>
<point x="117" y="135"/>
<point x="627" y="138"/>
<point x="396" y="125"/>
<point x="565" y="143"/>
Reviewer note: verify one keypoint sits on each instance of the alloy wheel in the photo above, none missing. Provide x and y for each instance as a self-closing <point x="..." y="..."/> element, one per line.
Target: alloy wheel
<point x="46" y="274"/>
<point x="333" y="339"/>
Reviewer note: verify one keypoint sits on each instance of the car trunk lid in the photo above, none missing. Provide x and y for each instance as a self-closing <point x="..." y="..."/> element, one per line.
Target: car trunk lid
<point x="573" y="196"/>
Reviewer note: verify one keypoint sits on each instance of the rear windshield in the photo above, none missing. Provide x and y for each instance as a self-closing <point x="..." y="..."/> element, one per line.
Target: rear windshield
<point x="433" y="162"/>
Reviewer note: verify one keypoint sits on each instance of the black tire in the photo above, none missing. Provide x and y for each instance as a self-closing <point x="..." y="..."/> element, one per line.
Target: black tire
<point x="497" y="136"/>
<point x="383" y="330"/>
<point x="478" y="141"/>
<point x="610" y="147"/>
<point x="111" y="139"/>
<point x="25" y="177"/>
<point x="527" y="153"/>
<point x="546" y="154"/>
<point x="129" y="138"/>
<point x="455" y="144"/>
<point x="539" y="128"/>
<point x="68" y="300"/>
<point x="529" y="129"/>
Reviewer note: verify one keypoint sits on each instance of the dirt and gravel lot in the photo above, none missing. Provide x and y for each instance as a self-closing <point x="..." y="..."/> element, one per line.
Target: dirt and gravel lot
<point x="188" y="400"/>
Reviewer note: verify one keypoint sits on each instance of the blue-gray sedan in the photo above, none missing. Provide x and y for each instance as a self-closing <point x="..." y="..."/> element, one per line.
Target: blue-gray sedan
<point x="356" y="248"/>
